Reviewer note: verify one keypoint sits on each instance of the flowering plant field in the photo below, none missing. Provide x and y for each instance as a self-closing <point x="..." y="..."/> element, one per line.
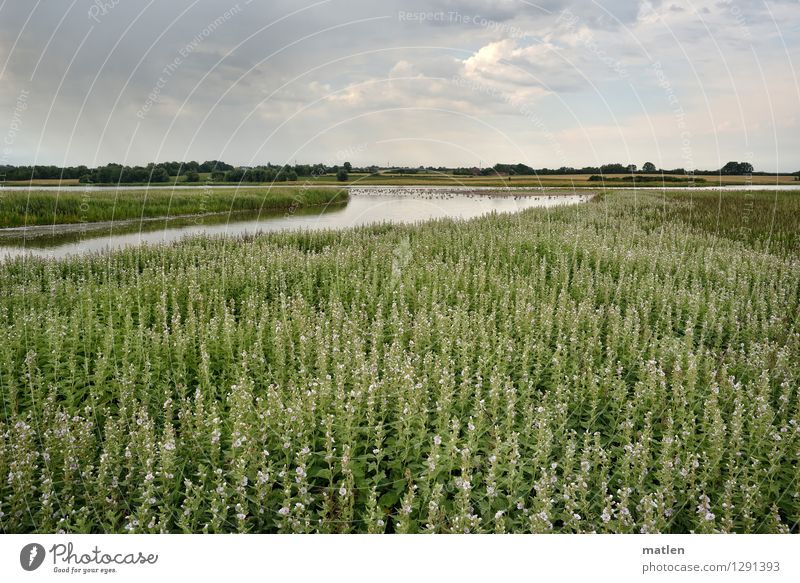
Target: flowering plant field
<point x="626" y="365"/>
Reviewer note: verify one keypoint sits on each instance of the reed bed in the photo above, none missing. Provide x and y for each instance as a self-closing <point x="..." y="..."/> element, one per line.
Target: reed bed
<point x="22" y="208"/>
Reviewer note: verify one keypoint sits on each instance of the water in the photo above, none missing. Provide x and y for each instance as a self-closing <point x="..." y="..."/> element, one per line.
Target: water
<point x="365" y="207"/>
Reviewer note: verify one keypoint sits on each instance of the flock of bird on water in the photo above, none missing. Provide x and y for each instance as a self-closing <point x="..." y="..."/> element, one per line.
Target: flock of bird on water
<point x="444" y="193"/>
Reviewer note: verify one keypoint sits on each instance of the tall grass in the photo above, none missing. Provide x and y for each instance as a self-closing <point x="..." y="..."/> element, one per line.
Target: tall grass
<point x="20" y="208"/>
<point x="620" y="366"/>
<point x="763" y="220"/>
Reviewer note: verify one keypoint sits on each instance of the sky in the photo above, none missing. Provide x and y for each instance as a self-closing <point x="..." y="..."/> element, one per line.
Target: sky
<point x="552" y="83"/>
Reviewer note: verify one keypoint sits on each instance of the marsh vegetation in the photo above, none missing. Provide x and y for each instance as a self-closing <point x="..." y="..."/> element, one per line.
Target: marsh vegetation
<point x="626" y="365"/>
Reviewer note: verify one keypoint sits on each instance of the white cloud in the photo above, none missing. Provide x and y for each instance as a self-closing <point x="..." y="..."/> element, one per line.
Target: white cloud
<point x="327" y="67"/>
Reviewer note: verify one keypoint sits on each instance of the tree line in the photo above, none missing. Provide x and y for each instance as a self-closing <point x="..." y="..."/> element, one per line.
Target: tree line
<point x="110" y="173"/>
<point x="169" y="171"/>
<point x="222" y="172"/>
<point x="731" y="168"/>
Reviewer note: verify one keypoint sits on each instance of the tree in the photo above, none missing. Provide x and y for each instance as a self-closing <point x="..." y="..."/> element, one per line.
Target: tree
<point x="192" y="176"/>
<point x="348" y="166"/>
<point x="737" y="168"/>
<point x="341" y="175"/>
<point x="236" y="175"/>
<point x="648" y="167"/>
<point x="218" y="176"/>
<point x="631" y="168"/>
<point x="187" y="167"/>
<point x="159" y="175"/>
<point x="212" y="165"/>
<point x="302" y="169"/>
<point x="614" y="169"/>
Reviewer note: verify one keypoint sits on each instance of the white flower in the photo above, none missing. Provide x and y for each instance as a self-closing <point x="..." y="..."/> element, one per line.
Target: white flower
<point x="437" y="440"/>
<point x="284" y="511"/>
<point x="343" y="492"/>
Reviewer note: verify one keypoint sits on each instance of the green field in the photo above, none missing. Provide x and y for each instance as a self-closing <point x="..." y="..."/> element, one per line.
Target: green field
<point x="20" y="208"/>
<point x="387" y="178"/>
<point x="627" y="365"/>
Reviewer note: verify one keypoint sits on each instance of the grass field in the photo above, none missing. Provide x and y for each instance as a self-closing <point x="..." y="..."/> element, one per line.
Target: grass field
<point x="20" y="208"/>
<point x="626" y="365"/>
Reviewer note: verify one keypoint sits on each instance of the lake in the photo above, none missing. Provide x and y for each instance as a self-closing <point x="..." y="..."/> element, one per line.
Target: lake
<point x="366" y="206"/>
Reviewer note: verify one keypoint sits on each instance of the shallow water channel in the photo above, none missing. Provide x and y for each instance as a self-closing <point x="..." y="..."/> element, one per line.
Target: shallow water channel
<point x="366" y="206"/>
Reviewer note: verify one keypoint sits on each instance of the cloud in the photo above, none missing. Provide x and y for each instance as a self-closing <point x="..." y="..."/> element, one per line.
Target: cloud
<point x="272" y="79"/>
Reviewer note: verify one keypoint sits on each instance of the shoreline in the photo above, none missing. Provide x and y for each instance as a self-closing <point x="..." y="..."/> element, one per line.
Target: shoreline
<point x="55" y="229"/>
<point x="21" y="210"/>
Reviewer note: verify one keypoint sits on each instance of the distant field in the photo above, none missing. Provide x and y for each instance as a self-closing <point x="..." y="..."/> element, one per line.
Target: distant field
<point x="555" y="180"/>
<point x="566" y="180"/>
<point x="21" y="208"/>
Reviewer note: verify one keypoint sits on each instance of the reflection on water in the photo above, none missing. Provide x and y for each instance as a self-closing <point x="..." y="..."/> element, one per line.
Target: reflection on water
<point x="361" y="209"/>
